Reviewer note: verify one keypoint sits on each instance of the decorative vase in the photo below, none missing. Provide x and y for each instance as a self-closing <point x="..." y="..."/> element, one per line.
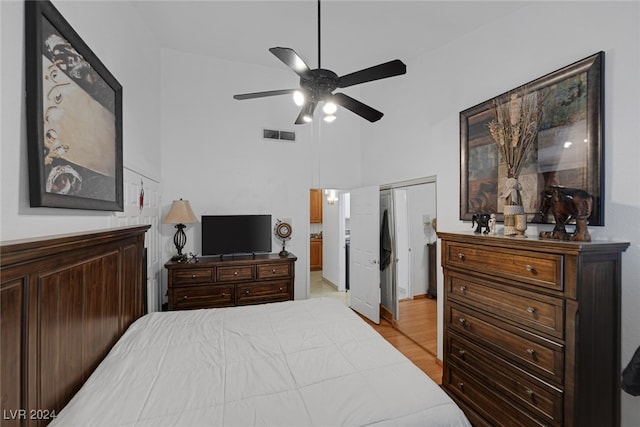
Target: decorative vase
<point x="521" y="225"/>
<point x="510" y="212"/>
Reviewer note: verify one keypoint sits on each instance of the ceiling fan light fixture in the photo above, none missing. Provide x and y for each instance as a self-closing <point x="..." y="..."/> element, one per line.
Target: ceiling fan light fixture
<point x="298" y="98"/>
<point x="318" y="85"/>
<point x="307" y="114"/>
<point x="329" y="118"/>
<point x="329" y="107"/>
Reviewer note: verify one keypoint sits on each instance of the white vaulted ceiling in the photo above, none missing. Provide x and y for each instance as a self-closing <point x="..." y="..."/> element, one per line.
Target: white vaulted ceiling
<point x="355" y="34"/>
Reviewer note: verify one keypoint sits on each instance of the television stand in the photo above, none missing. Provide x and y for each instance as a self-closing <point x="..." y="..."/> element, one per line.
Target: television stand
<point x="225" y="282"/>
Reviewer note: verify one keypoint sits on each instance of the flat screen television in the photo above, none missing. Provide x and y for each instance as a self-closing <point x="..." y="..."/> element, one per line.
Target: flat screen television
<point x="236" y="234"/>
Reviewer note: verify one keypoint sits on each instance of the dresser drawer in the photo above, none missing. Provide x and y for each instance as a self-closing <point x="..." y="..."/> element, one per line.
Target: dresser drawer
<point x="203" y="296"/>
<point x="530" y="392"/>
<point x="543" y="356"/>
<point x="268" y="271"/>
<point x="485" y="401"/>
<point x="258" y="293"/>
<point x="234" y="274"/>
<point x="535" y="268"/>
<point x="540" y="312"/>
<point x="192" y="275"/>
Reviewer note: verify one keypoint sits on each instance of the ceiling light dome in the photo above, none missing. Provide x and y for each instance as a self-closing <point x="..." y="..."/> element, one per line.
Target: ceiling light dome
<point x="298" y="98"/>
<point x="329" y="107"/>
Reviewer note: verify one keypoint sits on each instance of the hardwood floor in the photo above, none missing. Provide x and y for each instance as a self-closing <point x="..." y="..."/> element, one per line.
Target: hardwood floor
<point x="418" y="320"/>
<point x="422" y="358"/>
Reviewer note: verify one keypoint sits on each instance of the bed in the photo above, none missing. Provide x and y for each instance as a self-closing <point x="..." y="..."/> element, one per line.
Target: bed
<point x="296" y="363"/>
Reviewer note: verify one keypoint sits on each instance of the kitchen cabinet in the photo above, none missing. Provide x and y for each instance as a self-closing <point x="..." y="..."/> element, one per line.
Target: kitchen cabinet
<point x="315" y="254"/>
<point x="315" y="211"/>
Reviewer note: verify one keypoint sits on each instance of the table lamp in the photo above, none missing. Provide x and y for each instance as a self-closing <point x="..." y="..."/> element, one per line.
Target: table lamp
<point x="180" y="214"/>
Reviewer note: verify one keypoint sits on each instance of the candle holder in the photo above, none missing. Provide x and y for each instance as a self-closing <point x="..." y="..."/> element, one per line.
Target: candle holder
<point x="520" y="225"/>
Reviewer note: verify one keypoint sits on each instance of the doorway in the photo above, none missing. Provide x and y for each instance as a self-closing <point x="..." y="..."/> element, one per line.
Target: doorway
<point x="413" y="309"/>
<point x="408" y="283"/>
<point x="328" y="226"/>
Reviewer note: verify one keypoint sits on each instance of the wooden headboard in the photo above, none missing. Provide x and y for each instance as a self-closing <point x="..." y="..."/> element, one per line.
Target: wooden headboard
<point x="64" y="302"/>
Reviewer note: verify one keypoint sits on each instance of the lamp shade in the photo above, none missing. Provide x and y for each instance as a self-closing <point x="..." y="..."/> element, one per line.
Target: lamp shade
<point x="180" y="213"/>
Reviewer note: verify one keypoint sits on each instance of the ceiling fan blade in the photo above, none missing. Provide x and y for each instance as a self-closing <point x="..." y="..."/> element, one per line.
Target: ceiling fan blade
<point x="382" y="71"/>
<point x="307" y="109"/>
<point x="291" y="59"/>
<point x="357" y="107"/>
<point x="299" y="119"/>
<point x="263" y="94"/>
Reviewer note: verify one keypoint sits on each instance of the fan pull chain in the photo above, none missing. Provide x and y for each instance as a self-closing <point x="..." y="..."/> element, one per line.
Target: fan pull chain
<point x="319" y="65"/>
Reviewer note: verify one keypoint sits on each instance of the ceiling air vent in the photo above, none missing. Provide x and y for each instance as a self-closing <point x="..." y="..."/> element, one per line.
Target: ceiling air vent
<point x="282" y="135"/>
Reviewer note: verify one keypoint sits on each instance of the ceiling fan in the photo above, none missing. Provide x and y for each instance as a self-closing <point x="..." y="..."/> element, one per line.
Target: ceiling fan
<point x="317" y="85"/>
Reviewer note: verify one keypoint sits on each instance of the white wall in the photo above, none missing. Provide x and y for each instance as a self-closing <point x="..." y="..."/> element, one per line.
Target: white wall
<point x="214" y="156"/>
<point x="422" y="201"/>
<point x="113" y="32"/>
<point x="536" y="40"/>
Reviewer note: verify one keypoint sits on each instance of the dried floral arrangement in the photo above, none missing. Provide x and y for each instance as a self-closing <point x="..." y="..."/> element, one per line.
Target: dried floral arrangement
<point x="514" y="130"/>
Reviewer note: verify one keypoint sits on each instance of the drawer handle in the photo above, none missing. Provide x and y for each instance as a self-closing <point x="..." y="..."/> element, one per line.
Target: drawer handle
<point x="235" y="273"/>
<point x="247" y="292"/>
<point x="463" y="289"/>
<point x="531" y="394"/>
<point x="531" y="310"/>
<point x="530" y="268"/>
<point x="531" y="352"/>
<point x="281" y="289"/>
<point x="462" y="353"/>
<point x="224" y="294"/>
<point x="193" y="276"/>
<point x="274" y="271"/>
<point x="185" y="297"/>
<point x="461" y="255"/>
<point x="461" y="385"/>
<point x="463" y="321"/>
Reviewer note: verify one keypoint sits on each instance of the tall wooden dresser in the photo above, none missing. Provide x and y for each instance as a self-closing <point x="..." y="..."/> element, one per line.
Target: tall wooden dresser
<point x="532" y="330"/>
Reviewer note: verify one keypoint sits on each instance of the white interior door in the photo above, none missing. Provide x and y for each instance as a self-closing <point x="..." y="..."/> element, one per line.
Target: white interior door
<point x="364" y="262"/>
<point x="136" y="185"/>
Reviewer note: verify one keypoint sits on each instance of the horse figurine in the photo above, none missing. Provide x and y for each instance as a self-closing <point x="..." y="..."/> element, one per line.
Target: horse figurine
<point x="482" y="221"/>
<point x="566" y="204"/>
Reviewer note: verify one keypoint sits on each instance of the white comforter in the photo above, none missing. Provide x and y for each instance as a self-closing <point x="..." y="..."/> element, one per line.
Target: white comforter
<point x="296" y="363"/>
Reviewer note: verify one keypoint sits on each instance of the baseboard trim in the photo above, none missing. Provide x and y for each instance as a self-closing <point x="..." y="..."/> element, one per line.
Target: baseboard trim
<point x="386" y="314"/>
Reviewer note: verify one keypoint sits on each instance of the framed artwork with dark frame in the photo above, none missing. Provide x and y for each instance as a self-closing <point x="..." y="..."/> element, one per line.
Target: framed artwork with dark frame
<point x="74" y="117"/>
<point x="568" y="150"/>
